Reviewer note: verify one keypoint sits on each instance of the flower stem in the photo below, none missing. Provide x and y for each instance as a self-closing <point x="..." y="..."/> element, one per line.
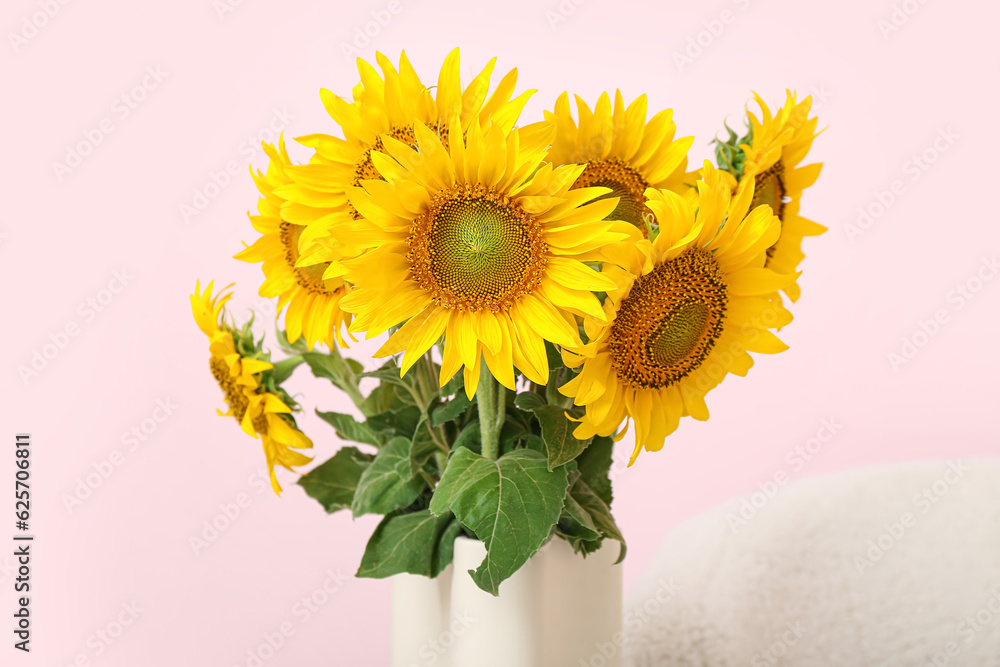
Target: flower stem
<point x="491" y="417"/>
<point x="349" y="381"/>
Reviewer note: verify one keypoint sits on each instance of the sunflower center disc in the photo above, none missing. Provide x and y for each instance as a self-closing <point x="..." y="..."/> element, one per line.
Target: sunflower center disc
<point x="234" y="394"/>
<point x="769" y="188"/>
<point x="625" y="183"/>
<point x="670" y="321"/>
<point x="309" y="278"/>
<point x="474" y="249"/>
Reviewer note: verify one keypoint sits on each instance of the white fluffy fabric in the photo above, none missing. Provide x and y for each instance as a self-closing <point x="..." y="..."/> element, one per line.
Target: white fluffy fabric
<point x="894" y="566"/>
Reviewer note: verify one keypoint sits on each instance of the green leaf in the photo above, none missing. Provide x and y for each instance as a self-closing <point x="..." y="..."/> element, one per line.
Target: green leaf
<point x="388" y="372"/>
<point x="512" y="435"/>
<point x="388" y="483"/>
<point x="577" y="527"/>
<point x="557" y="432"/>
<point x="595" y="467"/>
<point x="284" y="368"/>
<point x="554" y="357"/>
<point x="349" y="428"/>
<point x="396" y="422"/>
<point x="333" y="483"/>
<point x="423" y="447"/>
<point x="291" y="348"/>
<point x="528" y="401"/>
<point x="418" y="543"/>
<point x="454" y="385"/>
<point x="383" y="398"/>
<point x="599" y="512"/>
<point x="327" y="366"/>
<point x="470" y="437"/>
<point x="451" y="410"/>
<point x="510" y="504"/>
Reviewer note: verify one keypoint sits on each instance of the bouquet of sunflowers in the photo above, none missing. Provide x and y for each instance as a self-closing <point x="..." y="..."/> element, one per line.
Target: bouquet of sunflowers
<point x="544" y="287"/>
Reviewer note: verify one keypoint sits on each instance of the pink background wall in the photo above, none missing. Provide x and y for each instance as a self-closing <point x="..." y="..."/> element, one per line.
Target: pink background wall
<point x="223" y="79"/>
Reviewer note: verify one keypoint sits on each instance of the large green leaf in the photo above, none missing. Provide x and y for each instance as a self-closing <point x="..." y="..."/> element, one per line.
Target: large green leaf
<point x="348" y="428"/>
<point x="510" y="504"/>
<point x="333" y="483"/>
<point x="418" y="543"/>
<point x="388" y="483"/>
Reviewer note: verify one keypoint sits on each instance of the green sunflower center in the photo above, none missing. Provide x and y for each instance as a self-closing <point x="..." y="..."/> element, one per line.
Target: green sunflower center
<point x="625" y="182"/>
<point x="769" y="188"/>
<point x="474" y="249"/>
<point x="670" y="321"/>
<point x="309" y="278"/>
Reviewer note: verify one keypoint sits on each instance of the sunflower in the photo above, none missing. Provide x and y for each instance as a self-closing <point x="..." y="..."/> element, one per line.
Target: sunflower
<point x="385" y="105"/>
<point x="245" y="376"/>
<point x="622" y="151"/>
<point x="483" y="244"/>
<point x="684" y="312"/>
<point x="768" y="157"/>
<point x="295" y="277"/>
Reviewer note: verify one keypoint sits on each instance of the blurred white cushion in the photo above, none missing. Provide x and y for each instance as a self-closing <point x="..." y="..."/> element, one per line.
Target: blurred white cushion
<point x="891" y="566"/>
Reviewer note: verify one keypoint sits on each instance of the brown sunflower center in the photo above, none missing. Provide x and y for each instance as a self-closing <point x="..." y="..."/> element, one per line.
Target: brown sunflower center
<point x="769" y="188"/>
<point x="475" y="249"/>
<point x="235" y="397"/>
<point x="625" y="182"/>
<point x="668" y="324"/>
<point x="309" y="278"/>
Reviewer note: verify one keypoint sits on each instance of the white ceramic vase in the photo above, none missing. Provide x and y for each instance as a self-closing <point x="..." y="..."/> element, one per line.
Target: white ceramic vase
<point x="559" y="610"/>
